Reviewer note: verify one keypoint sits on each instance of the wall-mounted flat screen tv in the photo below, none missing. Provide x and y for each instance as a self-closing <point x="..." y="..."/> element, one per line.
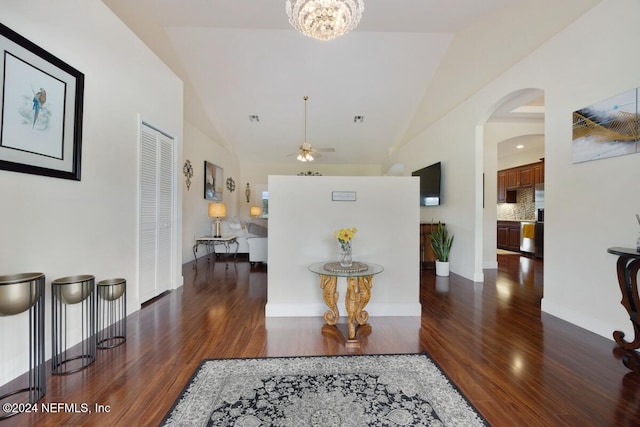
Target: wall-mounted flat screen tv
<point x="429" y="184"/>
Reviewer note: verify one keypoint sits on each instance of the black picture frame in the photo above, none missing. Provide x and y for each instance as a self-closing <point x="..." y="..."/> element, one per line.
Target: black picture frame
<point x="41" y="110"/>
<point x="213" y="182"/>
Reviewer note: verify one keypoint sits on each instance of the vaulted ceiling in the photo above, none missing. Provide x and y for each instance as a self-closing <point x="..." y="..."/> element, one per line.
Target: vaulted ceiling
<point x="242" y="58"/>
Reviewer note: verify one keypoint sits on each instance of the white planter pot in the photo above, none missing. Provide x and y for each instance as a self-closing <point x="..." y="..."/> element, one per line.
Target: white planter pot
<point x="442" y="268"/>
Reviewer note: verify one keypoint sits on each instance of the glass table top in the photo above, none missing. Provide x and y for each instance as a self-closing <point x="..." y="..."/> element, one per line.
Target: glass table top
<point x="324" y="269"/>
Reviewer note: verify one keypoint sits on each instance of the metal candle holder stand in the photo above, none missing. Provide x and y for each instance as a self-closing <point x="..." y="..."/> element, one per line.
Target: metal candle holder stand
<point x="66" y="292"/>
<point x="112" y="313"/>
<point x="19" y="293"/>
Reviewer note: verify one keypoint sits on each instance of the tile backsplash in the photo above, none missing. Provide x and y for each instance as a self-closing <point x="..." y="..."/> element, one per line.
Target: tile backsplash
<point x="523" y="209"/>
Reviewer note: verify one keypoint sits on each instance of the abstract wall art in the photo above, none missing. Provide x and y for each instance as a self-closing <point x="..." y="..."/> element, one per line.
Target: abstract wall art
<point x="607" y="128"/>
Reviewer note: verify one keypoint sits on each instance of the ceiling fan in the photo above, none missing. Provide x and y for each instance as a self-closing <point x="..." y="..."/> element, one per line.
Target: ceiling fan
<point x="306" y="152"/>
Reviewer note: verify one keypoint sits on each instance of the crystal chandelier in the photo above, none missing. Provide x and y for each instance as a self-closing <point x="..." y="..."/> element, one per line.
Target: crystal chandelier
<point x="324" y="19"/>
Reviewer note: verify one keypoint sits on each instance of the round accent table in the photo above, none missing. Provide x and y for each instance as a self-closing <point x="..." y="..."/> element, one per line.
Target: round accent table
<point x="112" y="313"/>
<point x="627" y="268"/>
<point x="72" y="305"/>
<point x="20" y="293"/>
<point x="359" y="282"/>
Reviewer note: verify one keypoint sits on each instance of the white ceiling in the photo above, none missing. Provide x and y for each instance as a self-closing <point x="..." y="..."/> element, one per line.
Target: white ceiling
<point x="241" y="57"/>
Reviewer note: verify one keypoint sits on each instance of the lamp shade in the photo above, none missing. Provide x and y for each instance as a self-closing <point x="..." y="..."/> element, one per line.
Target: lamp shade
<point x="217" y="210"/>
<point x="255" y="211"/>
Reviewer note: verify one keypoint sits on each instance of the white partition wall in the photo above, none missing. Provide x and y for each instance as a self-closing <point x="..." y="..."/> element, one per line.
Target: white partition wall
<point x="302" y="220"/>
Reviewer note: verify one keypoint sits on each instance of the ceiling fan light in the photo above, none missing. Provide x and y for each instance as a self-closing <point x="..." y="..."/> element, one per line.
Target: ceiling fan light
<point x="305" y="157"/>
<point x="324" y="19"/>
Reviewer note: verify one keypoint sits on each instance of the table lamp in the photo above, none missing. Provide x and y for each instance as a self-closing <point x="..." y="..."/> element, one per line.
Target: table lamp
<point x="255" y="211"/>
<point x="217" y="211"/>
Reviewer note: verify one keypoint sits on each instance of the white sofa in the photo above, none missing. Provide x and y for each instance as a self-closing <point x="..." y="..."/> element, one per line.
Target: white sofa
<point x="251" y="236"/>
<point x="257" y="233"/>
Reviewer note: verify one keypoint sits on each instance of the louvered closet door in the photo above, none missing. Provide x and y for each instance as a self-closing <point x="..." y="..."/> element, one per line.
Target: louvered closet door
<point x="156" y="213"/>
<point x="165" y="214"/>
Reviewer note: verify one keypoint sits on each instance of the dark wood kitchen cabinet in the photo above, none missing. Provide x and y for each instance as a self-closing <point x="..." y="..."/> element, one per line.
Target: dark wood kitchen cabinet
<point x="513" y="178"/>
<point x="502" y="187"/>
<point x="538" y="173"/>
<point x="427" y="256"/>
<point x="519" y="177"/>
<point x="526" y="176"/>
<point x="504" y="195"/>
<point x="508" y="235"/>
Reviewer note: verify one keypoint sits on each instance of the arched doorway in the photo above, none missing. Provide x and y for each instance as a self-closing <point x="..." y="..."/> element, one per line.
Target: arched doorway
<point x="513" y="135"/>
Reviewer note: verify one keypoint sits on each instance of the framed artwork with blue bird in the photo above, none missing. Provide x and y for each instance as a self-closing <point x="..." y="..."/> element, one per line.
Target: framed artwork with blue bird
<point x="41" y="115"/>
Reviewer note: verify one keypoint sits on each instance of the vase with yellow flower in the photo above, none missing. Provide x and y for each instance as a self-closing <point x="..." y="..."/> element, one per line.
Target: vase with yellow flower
<point x="344" y="236"/>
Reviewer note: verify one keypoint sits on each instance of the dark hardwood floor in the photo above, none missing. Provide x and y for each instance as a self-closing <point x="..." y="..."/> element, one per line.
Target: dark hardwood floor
<point x="518" y="366"/>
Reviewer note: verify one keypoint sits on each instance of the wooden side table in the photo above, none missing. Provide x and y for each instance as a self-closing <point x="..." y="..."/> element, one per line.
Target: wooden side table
<point x="627" y="268"/>
<point x="359" y="284"/>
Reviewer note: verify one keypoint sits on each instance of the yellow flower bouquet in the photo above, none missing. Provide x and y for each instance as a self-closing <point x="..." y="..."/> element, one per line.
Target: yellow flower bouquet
<point x="344" y="236"/>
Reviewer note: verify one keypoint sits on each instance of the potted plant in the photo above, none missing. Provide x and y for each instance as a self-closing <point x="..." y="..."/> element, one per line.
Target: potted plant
<point x="441" y="243"/>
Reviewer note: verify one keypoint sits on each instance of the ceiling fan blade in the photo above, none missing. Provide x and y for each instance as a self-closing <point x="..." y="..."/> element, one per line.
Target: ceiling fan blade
<point x="323" y="150"/>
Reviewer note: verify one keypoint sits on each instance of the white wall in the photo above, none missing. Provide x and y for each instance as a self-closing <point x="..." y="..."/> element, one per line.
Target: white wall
<point x="61" y="227"/>
<point x="451" y="141"/>
<point x="588" y="207"/>
<point x="302" y="221"/>
<point x="196" y="222"/>
<point x="256" y="174"/>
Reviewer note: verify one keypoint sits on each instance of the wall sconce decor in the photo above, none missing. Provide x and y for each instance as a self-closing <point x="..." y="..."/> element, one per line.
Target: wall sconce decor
<point x="231" y="185"/>
<point x="309" y="173"/>
<point x="187" y="170"/>
<point x="247" y="192"/>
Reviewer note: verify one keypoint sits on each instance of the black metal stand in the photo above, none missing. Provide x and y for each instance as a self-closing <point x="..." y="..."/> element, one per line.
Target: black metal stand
<point x="17" y="294"/>
<point x="72" y="302"/>
<point x="112" y="313"/>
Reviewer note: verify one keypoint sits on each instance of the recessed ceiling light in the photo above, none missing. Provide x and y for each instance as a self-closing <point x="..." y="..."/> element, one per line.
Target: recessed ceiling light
<point x="519" y="147"/>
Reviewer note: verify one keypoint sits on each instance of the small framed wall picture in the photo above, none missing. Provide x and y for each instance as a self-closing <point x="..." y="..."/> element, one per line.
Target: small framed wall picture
<point x="343" y="196"/>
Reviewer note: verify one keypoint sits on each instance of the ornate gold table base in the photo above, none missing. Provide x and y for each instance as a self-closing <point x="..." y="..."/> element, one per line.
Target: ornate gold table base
<point x="356" y="299"/>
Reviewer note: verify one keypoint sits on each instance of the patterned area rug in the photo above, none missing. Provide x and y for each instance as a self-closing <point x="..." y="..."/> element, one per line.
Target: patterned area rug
<point x="380" y="390"/>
